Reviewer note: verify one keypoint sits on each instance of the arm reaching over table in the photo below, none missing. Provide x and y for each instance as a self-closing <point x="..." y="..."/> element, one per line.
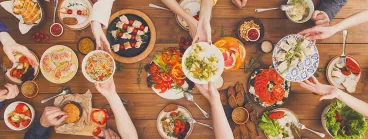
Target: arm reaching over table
<point x="10" y="92"/>
<point x="221" y="126"/>
<point x="123" y="122"/>
<point x="317" y="32"/>
<point x="51" y="116"/>
<point x="10" y="46"/>
<point x="100" y="19"/>
<point x="239" y="3"/>
<point x="331" y="92"/>
<point x="326" y="11"/>
<point x="203" y="33"/>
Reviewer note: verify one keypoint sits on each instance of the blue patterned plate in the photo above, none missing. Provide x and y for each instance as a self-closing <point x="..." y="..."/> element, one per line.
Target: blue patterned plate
<point x="304" y="69"/>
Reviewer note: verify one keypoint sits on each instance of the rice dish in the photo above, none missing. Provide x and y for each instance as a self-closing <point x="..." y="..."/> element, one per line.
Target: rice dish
<point x="99" y="66"/>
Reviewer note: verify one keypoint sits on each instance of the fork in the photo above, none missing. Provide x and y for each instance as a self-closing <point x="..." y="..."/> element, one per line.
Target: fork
<point x="301" y="126"/>
<point x="342" y="60"/>
<point x="4" y="70"/>
<point x="191" y="120"/>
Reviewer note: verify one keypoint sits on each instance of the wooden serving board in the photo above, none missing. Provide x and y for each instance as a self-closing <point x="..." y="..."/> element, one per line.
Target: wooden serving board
<point x="86" y="131"/>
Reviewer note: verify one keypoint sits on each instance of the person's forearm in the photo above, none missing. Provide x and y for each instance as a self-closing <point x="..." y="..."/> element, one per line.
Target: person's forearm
<point x="206" y="10"/>
<point x="354" y="20"/>
<point x="5" y="38"/>
<point x="123" y="122"/>
<point x="102" y="11"/>
<point x="174" y="6"/>
<point x="221" y="126"/>
<point x="331" y="7"/>
<point x="354" y="103"/>
<point x="37" y="131"/>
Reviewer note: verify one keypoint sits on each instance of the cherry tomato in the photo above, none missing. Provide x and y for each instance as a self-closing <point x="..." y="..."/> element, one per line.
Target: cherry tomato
<point x="25" y="122"/>
<point x="132" y="38"/>
<point x="125" y="26"/>
<point x="120" y="34"/>
<point x="141" y="27"/>
<point x="131" y="22"/>
<point x="41" y="35"/>
<point x="132" y="44"/>
<point x="173" y="114"/>
<point x="79" y="12"/>
<point x="135" y="31"/>
<point x="122" y="47"/>
<point x="46" y="37"/>
<point x="37" y="34"/>
<point x="38" y="40"/>
<point x="69" y="11"/>
<point x="276" y="115"/>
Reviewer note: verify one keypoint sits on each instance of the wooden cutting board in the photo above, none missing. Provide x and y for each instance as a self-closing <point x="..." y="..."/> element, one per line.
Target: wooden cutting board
<point x="86" y="131"/>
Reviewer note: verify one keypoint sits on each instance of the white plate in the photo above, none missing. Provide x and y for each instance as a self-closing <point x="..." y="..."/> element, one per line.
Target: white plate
<point x="289" y="117"/>
<point x="311" y="10"/>
<point x="84" y="62"/>
<point x="171" y="94"/>
<point x="338" y="81"/>
<point x="18" y="81"/>
<point x="324" y="121"/>
<point x="83" y="21"/>
<point x="208" y="51"/>
<point x="11" y="108"/>
<point x="305" y="69"/>
<point x="162" y="114"/>
<point x="194" y="6"/>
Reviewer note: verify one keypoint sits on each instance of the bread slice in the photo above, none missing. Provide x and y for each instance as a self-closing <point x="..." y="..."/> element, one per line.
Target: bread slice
<point x="350" y="84"/>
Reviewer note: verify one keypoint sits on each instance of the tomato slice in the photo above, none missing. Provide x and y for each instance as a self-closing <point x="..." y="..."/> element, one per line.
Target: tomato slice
<point x="17" y="125"/>
<point x="276" y="115"/>
<point x="278" y="92"/>
<point x="165" y="77"/>
<point x="25" y="123"/>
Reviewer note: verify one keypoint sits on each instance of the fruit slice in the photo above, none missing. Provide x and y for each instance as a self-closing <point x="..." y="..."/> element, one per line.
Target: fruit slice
<point x="229" y="59"/>
<point x="220" y="43"/>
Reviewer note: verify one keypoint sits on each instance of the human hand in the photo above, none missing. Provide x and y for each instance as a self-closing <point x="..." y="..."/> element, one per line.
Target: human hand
<point x="50" y="117"/>
<point x="320" y="18"/>
<point x="10" y="47"/>
<point x="101" y="41"/>
<point x="239" y="3"/>
<point x="209" y="91"/>
<point x="107" y="88"/>
<point x="108" y="134"/>
<point x="192" y="23"/>
<point x="326" y="91"/>
<point x="10" y="92"/>
<point x="316" y="32"/>
<point x="203" y="32"/>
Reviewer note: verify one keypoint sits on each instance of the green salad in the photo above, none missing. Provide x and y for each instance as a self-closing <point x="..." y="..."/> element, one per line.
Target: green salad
<point x="344" y="123"/>
<point x="201" y="68"/>
<point x="272" y="127"/>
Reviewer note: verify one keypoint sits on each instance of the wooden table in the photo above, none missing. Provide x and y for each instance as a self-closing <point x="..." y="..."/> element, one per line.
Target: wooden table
<point x="144" y="105"/>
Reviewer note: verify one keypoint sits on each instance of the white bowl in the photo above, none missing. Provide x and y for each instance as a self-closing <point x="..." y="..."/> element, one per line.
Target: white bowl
<point x="324" y="121"/>
<point x="209" y="50"/>
<point x="62" y="29"/>
<point x="311" y="10"/>
<point x="11" y="108"/>
<point x="259" y="34"/>
<point x="84" y="62"/>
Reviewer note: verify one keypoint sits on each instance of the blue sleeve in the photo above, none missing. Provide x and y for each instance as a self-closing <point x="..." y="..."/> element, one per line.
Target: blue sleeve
<point x="3" y="27"/>
<point x="331" y="7"/>
<point x="37" y="131"/>
<point x="2" y="104"/>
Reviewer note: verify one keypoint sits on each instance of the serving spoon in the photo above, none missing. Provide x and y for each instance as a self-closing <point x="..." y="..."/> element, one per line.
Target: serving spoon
<point x="189" y="97"/>
<point x="63" y="92"/>
<point x="282" y="7"/>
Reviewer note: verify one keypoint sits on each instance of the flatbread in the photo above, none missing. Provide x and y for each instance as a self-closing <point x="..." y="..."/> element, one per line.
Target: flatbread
<point x="239" y="88"/>
<point x="240" y="99"/>
<point x="230" y="91"/>
<point x="236" y="131"/>
<point x="223" y="98"/>
<point x="232" y="101"/>
<point x="244" y="131"/>
<point x="252" y="129"/>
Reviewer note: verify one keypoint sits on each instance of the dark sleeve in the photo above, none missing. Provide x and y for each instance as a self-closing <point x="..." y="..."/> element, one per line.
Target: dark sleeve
<point x="2" y="104"/>
<point x="331" y="7"/>
<point x="3" y="27"/>
<point x="37" y="131"/>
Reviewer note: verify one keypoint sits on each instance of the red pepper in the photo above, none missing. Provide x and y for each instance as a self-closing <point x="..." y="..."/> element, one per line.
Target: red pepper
<point x="13" y="123"/>
<point x="276" y="115"/>
<point x="352" y="66"/>
<point x="96" y="131"/>
<point x="103" y="116"/>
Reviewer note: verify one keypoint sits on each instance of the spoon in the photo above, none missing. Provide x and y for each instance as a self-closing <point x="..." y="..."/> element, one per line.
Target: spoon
<point x="64" y="92"/>
<point x="282" y="7"/>
<point x="191" y="120"/>
<point x="55" y="6"/>
<point x="189" y="97"/>
<point x="157" y="7"/>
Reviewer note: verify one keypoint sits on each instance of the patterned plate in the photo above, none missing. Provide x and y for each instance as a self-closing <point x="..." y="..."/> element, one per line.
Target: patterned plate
<point x="304" y="69"/>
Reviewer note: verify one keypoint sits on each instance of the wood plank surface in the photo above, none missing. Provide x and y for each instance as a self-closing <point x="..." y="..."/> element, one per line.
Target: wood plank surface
<point x="144" y="105"/>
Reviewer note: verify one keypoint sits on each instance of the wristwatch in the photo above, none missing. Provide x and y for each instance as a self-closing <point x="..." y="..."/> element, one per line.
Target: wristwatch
<point x="3" y="27"/>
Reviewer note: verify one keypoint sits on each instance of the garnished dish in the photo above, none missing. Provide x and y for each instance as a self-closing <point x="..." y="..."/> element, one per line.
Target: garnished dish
<point x="203" y="63"/>
<point x="98" y="66"/>
<point x="342" y="122"/>
<point x="344" y="76"/>
<point x="279" y="124"/>
<point x="75" y="14"/>
<point x="250" y="29"/>
<point x="22" y="70"/>
<point x="301" y="10"/>
<point x="29" y="89"/>
<point x="59" y="64"/>
<point x="165" y="74"/>
<point x="19" y="115"/>
<point x="233" y="52"/>
<point x="268" y="88"/>
<point x="86" y="45"/>
<point x="131" y="35"/>
<point x="73" y="110"/>
<point x="191" y="7"/>
<point x="173" y="122"/>
<point x="295" y="58"/>
<point x="30" y="11"/>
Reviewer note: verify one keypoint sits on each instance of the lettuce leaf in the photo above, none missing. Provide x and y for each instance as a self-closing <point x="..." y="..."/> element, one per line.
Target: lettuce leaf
<point x="270" y="127"/>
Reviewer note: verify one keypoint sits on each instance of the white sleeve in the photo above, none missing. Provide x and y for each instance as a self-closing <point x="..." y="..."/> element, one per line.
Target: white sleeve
<point x="102" y="11"/>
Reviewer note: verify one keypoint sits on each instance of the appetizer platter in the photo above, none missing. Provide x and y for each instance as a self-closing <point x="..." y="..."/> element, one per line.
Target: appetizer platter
<point x="301" y="11"/>
<point x="131" y="34"/>
<point x="191" y="7"/>
<point x="295" y="58"/>
<point x="344" y="77"/>
<point x="173" y="122"/>
<point x="22" y="70"/>
<point x="86" y="45"/>
<point x="165" y="74"/>
<point x="250" y="29"/>
<point x="280" y="123"/>
<point x="98" y="66"/>
<point x="267" y="88"/>
<point x="59" y="64"/>
<point x="75" y="14"/>
<point x="202" y="63"/>
<point x="233" y="52"/>
<point x="341" y="122"/>
<point x="19" y="115"/>
<point x="30" y="13"/>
